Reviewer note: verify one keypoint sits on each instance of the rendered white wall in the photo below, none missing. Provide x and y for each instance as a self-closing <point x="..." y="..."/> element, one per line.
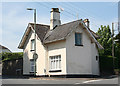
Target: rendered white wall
<point x="28" y="54"/>
<point x="58" y="48"/>
<point x="95" y="63"/>
<point x="79" y="59"/>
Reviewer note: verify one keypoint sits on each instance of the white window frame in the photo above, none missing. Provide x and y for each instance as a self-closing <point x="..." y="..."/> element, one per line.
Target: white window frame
<point x="55" y="62"/>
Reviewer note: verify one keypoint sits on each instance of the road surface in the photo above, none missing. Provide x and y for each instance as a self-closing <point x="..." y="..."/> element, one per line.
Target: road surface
<point x="60" y="81"/>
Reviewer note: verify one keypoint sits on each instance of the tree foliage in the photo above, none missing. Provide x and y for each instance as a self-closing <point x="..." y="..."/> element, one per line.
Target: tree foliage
<point x="105" y="40"/>
<point x="117" y="48"/>
<point x="106" y="59"/>
<point x="11" y="56"/>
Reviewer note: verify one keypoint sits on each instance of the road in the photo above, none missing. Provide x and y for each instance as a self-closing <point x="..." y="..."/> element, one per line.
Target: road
<point x="60" y="81"/>
<point x="102" y="81"/>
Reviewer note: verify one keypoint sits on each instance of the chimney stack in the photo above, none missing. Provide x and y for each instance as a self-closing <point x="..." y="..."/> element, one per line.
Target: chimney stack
<point x="55" y="18"/>
<point x="86" y="21"/>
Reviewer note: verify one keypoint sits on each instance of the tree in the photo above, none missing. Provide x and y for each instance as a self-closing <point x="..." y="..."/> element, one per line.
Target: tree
<point x="105" y="40"/>
<point x="117" y="48"/>
<point x="106" y="59"/>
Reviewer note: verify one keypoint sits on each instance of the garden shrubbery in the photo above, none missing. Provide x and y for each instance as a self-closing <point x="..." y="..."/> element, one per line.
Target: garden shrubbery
<point x="11" y="56"/>
<point x="106" y="63"/>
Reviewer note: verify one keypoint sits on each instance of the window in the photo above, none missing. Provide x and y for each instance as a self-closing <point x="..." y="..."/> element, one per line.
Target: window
<point x="32" y="44"/>
<point x="78" y="39"/>
<point x="55" y="62"/>
<point x="32" y="66"/>
<point x="97" y="58"/>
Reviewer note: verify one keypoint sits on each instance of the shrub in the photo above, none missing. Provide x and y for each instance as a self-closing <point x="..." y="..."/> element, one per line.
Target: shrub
<point x="106" y="63"/>
<point x="11" y="56"/>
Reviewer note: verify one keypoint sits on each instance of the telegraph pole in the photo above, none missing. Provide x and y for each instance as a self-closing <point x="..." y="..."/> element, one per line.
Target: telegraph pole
<point x="113" y="46"/>
<point x="35" y="56"/>
<point x="35" y="42"/>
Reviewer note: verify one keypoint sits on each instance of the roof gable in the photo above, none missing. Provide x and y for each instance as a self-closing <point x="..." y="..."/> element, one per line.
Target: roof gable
<point x="41" y="31"/>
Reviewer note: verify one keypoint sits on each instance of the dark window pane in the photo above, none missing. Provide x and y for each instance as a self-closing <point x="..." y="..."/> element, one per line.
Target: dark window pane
<point x="78" y="39"/>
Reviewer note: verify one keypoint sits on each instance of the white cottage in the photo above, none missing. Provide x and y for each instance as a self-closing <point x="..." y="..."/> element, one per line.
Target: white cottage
<point x="66" y="50"/>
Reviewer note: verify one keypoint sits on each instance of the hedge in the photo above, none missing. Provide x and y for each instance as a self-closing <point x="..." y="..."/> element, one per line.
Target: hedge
<point x="106" y="63"/>
<point x="11" y="56"/>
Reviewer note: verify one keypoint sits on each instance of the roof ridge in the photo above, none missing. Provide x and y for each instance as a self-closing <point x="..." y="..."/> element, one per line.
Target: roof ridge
<point x="3" y="47"/>
<point x="59" y="25"/>
<point x="70" y="22"/>
<point x="40" y="24"/>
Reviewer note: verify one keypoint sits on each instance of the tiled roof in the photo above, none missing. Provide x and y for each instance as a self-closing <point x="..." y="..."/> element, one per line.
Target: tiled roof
<point x="41" y="30"/>
<point x="62" y="31"/>
<point x="59" y="33"/>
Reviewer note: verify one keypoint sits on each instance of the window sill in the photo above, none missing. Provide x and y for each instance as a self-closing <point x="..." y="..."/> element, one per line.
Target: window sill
<point x="78" y="45"/>
<point x="55" y="70"/>
<point x="32" y="50"/>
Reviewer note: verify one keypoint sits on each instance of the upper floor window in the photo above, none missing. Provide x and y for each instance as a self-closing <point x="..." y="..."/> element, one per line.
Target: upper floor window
<point x="33" y="44"/>
<point x="78" y="39"/>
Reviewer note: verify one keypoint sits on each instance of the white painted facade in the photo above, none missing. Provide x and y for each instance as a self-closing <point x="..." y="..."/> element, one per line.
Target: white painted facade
<point x="28" y="54"/>
<point x="81" y="59"/>
<point x="57" y="48"/>
<point x="74" y="59"/>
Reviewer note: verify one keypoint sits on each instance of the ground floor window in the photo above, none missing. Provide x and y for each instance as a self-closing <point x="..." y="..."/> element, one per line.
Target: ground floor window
<point x="32" y="65"/>
<point x="55" y="62"/>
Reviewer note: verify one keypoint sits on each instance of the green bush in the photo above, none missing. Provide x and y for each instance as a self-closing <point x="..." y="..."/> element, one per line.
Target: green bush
<point x="106" y="63"/>
<point x="11" y="56"/>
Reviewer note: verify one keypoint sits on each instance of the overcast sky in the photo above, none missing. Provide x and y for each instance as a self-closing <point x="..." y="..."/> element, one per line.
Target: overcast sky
<point x="15" y="17"/>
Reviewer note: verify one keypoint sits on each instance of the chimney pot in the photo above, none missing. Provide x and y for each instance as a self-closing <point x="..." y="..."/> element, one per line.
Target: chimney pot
<point x="55" y="10"/>
<point x="86" y="21"/>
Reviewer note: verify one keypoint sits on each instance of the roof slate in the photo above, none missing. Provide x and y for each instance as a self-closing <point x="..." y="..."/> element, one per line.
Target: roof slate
<point x="59" y="33"/>
<point x="41" y="30"/>
<point x="62" y="31"/>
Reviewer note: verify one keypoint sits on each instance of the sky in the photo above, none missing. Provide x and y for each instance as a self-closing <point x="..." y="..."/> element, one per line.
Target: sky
<point x="15" y="18"/>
